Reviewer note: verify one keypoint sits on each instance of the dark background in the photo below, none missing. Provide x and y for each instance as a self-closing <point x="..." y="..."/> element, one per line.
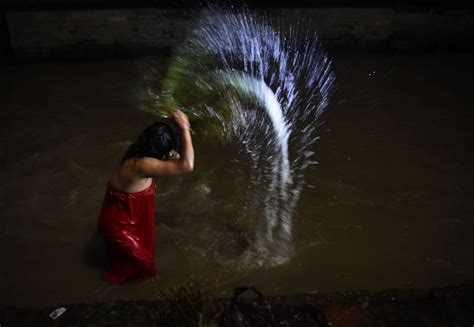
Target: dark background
<point x="420" y="26"/>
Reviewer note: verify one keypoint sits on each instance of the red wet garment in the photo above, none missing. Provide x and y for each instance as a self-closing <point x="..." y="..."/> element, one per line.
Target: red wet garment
<point x="126" y="222"/>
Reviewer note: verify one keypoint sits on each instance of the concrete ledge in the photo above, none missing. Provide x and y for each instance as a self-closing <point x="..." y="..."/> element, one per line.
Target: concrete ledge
<point x="450" y="306"/>
<point x="95" y="33"/>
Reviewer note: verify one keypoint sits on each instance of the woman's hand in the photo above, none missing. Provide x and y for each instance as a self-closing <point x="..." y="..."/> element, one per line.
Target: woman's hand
<point x="151" y="167"/>
<point x="181" y="119"/>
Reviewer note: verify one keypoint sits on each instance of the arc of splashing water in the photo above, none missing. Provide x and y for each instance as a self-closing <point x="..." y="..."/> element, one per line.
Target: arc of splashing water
<point x="236" y="48"/>
<point x="250" y="86"/>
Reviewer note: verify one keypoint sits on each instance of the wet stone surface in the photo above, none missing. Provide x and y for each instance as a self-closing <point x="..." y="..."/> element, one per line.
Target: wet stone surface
<point x="453" y="306"/>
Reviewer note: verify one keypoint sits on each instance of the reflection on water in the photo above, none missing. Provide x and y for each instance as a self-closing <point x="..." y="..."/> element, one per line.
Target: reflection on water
<point x="389" y="204"/>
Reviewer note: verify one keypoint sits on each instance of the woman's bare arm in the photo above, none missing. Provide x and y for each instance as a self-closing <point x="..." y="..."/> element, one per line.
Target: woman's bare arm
<point x="151" y="167"/>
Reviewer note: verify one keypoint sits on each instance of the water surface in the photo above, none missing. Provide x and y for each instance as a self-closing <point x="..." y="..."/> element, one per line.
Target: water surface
<point x="388" y="206"/>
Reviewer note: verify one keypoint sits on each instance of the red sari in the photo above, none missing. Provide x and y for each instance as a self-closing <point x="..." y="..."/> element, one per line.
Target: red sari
<point x="126" y="222"/>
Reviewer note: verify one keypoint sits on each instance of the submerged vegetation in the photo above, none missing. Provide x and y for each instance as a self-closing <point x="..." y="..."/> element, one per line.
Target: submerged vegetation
<point x="188" y="305"/>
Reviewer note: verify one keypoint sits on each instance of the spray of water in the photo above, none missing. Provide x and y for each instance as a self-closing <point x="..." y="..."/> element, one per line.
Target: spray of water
<point x="265" y="90"/>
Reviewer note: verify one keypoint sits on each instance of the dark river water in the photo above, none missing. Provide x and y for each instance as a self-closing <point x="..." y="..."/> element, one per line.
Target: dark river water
<point x="390" y="204"/>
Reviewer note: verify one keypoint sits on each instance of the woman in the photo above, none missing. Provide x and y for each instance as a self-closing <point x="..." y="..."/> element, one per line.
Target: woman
<point x="126" y="220"/>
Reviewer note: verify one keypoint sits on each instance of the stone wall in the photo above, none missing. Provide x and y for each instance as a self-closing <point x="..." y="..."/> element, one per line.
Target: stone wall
<point x="94" y="33"/>
<point x="91" y="33"/>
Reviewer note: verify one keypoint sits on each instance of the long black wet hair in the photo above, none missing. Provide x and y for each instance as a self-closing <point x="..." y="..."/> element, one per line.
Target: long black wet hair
<point x="157" y="141"/>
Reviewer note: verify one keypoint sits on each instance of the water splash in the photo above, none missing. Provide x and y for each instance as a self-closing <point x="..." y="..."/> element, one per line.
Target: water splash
<point x="263" y="89"/>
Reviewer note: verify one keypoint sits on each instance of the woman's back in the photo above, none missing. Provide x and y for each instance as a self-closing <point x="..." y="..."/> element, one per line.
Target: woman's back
<point x="126" y="178"/>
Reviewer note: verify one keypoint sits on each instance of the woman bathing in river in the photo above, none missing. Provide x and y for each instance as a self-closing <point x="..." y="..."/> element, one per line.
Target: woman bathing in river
<point x="126" y="220"/>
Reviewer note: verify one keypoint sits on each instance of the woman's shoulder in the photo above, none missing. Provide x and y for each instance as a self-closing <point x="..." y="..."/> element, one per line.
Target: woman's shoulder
<point x="124" y="179"/>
